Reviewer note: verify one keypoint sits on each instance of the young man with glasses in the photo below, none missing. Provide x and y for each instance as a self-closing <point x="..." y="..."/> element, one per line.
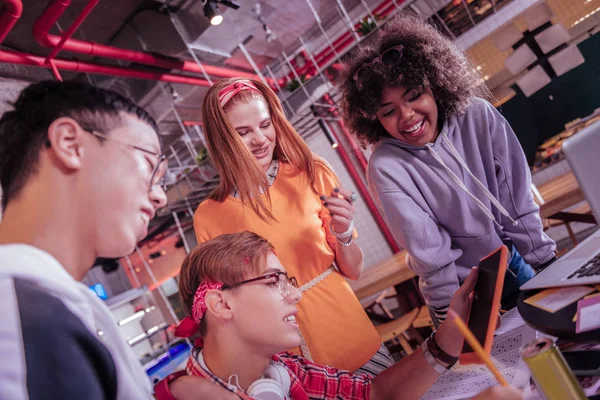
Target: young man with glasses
<point x="81" y="173"/>
<point x="243" y="304"/>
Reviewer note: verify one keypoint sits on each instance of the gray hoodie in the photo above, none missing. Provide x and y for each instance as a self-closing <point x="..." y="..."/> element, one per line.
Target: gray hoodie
<point x="452" y="202"/>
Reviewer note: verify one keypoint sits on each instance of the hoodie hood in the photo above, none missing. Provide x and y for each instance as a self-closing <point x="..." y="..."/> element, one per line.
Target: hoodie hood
<point x="454" y="201"/>
<point x="444" y="144"/>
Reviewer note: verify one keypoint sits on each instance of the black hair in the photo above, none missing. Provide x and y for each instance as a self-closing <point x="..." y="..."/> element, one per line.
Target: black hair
<point x="428" y="60"/>
<point x="24" y="130"/>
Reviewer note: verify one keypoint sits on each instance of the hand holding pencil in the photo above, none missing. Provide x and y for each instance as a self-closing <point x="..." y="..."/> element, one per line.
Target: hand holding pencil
<point x="506" y="392"/>
<point x="475" y="345"/>
<point x="449" y="338"/>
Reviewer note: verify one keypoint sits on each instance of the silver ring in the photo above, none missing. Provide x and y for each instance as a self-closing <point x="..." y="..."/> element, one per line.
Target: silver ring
<point x="354" y="197"/>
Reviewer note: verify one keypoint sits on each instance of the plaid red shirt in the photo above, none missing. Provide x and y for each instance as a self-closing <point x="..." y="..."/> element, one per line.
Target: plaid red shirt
<point x="309" y="381"/>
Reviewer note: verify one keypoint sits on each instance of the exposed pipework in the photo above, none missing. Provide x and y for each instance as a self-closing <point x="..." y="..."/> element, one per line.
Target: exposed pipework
<point x="15" y="57"/>
<point x="338" y="45"/>
<point x="10" y="15"/>
<point x="74" y="26"/>
<point x="57" y="7"/>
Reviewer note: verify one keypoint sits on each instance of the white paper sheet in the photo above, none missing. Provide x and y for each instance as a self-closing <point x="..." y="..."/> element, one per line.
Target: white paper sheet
<point x="509" y="321"/>
<point x="468" y="380"/>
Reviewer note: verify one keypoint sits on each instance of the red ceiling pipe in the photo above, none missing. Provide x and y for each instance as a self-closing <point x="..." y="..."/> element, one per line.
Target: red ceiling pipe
<point x="9" y="17"/>
<point x="338" y="44"/>
<point x="69" y="32"/>
<point x="55" y="71"/>
<point x="56" y="9"/>
<point x="357" y="151"/>
<point x="386" y="7"/>
<point x="324" y="56"/>
<point x="331" y="55"/>
<point x="11" y="13"/>
<point x="360" y="185"/>
<point x="310" y="70"/>
<point x="341" y="42"/>
<point x="345" y="39"/>
<point x="14" y="57"/>
<point x="192" y="123"/>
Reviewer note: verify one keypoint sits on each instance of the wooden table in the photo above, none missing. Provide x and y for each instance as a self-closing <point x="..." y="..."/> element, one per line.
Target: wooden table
<point x="559" y="194"/>
<point x="391" y="272"/>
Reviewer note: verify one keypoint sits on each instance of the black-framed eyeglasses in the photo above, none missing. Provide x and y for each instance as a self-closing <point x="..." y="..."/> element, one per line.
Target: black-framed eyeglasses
<point x="389" y="56"/>
<point x="159" y="170"/>
<point x="283" y="281"/>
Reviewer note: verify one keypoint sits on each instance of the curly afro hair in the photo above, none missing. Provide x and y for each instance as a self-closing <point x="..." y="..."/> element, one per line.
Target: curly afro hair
<point x="428" y="59"/>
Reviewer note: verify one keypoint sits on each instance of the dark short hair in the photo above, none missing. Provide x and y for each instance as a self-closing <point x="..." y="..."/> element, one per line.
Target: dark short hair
<point x="428" y="59"/>
<point x="24" y="130"/>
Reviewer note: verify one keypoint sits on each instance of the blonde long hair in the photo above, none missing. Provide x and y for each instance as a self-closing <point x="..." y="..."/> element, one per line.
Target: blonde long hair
<point x="237" y="167"/>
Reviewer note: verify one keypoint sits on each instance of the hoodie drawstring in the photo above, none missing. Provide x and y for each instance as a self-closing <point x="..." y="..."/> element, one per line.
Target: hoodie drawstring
<point x="461" y="184"/>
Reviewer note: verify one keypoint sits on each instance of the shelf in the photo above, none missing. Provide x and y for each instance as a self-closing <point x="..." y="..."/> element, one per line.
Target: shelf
<point x="148" y="334"/>
<point x="125" y="297"/>
<point x="157" y="355"/>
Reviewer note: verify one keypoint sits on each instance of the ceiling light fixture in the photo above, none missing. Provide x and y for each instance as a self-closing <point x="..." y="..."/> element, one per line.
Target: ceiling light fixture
<point x="328" y="134"/>
<point x="211" y="11"/>
<point x="271" y="36"/>
<point x="230" y="3"/>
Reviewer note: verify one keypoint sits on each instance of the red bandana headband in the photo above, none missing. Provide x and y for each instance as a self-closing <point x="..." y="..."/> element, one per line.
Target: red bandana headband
<point x="189" y="325"/>
<point x="229" y="91"/>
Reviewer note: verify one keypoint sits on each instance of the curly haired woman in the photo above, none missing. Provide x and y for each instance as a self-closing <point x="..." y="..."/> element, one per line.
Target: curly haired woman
<point x="447" y="170"/>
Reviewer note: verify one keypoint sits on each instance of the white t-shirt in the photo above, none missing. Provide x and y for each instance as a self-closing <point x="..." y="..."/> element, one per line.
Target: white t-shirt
<point x="49" y="341"/>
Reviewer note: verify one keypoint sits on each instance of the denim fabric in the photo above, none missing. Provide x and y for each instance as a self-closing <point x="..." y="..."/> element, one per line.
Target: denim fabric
<point x="517" y="274"/>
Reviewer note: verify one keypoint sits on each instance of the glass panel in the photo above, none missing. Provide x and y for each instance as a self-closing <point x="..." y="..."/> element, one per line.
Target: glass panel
<point x="456" y="17"/>
<point x="480" y="9"/>
<point x="458" y="20"/>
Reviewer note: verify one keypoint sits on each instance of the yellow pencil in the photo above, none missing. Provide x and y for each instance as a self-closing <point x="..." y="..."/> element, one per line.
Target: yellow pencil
<point x="466" y="332"/>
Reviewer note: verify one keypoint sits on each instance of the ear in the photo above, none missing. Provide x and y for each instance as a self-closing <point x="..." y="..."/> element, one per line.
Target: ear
<point x="65" y="137"/>
<point x="216" y="304"/>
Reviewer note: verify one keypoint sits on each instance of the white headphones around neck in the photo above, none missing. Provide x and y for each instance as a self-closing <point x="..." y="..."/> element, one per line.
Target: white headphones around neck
<point x="274" y="386"/>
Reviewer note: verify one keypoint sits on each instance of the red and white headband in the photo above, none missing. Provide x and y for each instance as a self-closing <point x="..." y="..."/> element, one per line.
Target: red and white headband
<point x="229" y="91"/>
